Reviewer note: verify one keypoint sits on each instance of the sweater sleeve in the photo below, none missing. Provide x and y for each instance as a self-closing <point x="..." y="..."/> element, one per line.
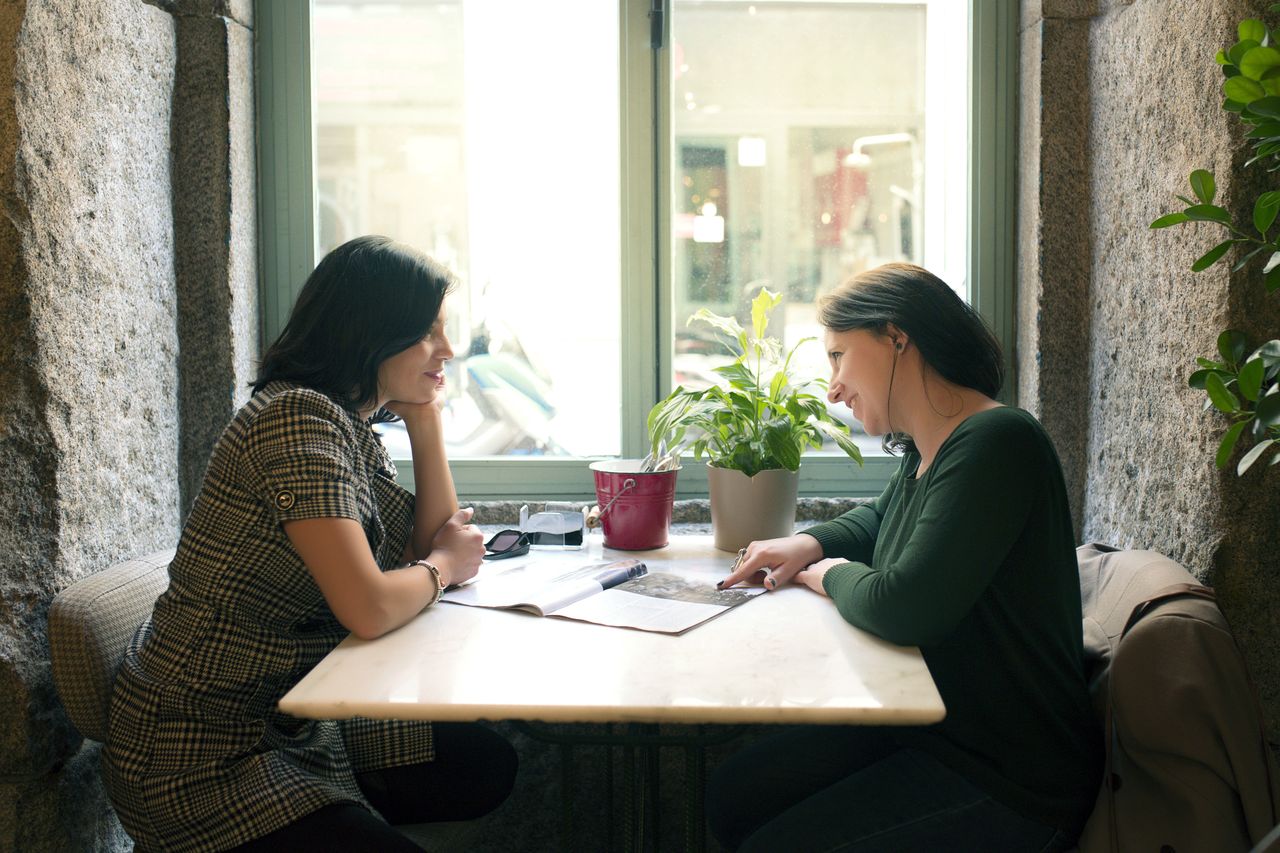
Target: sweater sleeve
<point x="853" y="534"/>
<point x="978" y="497"/>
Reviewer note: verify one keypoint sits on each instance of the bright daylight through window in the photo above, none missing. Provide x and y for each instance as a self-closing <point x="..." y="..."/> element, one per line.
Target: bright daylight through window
<point x="808" y="141"/>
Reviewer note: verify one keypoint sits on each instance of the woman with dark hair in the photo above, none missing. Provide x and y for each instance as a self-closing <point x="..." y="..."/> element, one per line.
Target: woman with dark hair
<point x="298" y="536"/>
<point x="969" y="553"/>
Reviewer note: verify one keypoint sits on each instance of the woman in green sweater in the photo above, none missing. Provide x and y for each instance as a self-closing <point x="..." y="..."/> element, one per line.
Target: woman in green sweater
<point x="968" y="554"/>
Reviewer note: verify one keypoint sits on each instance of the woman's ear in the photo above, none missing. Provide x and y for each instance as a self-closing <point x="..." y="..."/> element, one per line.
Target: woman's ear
<point x="896" y="336"/>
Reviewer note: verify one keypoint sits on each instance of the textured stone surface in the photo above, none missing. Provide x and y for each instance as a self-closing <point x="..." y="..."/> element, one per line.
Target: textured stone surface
<point x="1034" y="11"/>
<point x="215" y="232"/>
<point x="1055" y="245"/>
<point x="64" y="811"/>
<point x="88" y="387"/>
<point x="88" y="409"/>
<point x="1153" y="115"/>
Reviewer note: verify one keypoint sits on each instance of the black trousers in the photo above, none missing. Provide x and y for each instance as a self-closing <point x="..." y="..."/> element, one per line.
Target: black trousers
<point x="473" y="773"/>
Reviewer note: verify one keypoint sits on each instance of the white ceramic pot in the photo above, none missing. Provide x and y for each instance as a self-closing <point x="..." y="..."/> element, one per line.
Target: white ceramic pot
<point x="744" y="508"/>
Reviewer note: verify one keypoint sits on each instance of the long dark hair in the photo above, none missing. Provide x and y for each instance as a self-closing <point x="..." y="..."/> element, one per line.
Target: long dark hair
<point x="952" y="337"/>
<point x="367" y="300"/>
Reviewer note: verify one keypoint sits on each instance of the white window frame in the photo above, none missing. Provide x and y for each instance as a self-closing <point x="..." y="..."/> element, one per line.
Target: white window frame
<point x="287" y="217"/>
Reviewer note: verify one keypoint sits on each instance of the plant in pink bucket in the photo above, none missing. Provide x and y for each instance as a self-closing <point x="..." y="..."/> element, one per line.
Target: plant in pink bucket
<point x="753" y="428"/>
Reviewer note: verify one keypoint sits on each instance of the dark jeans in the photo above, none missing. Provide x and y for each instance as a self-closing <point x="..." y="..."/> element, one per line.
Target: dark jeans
<point x="471" y="776"/>
<point x="853" y="788"/>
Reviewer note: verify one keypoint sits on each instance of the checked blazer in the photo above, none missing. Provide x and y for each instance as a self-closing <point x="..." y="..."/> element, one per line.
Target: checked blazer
<point x="197" y="756"/>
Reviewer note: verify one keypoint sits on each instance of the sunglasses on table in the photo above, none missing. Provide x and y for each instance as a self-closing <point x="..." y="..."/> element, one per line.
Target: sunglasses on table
<point x="508" y="543"/>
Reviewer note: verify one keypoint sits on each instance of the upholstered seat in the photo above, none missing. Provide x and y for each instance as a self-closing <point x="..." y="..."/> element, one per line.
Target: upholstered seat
<point x="90" y="625"/>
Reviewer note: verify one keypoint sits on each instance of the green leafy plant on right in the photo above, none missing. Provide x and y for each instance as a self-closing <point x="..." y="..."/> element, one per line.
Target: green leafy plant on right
<point x="1243" y="380"/>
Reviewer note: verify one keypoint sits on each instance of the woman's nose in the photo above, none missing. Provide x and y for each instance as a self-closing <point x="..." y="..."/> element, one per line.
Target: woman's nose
<point x="833" y="391"/>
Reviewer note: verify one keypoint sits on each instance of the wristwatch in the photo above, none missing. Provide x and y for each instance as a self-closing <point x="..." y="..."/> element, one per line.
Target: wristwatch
<point x="435" y="574"/>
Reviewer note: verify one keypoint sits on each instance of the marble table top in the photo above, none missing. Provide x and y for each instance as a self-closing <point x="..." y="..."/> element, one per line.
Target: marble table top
<point x="782" y="657"/>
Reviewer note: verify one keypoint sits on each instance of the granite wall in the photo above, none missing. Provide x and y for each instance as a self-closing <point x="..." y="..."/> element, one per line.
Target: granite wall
<point x="127" y="318"/>
<point x="1120" y="102"/>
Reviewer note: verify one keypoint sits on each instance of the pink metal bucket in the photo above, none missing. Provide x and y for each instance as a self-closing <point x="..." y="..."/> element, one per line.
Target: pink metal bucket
<point x="635" y="508"/>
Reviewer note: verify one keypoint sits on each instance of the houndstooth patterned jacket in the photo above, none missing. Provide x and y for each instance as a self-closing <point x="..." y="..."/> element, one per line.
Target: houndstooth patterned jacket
<point x="198" y="758"/>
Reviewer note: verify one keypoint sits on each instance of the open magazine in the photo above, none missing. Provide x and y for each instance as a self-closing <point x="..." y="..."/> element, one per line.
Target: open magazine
<point x="622" y="593"/>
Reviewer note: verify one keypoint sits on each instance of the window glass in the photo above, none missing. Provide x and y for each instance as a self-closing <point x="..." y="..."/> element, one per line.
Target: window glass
<point x="811" y="141"/>
<point x="487" y="135"/>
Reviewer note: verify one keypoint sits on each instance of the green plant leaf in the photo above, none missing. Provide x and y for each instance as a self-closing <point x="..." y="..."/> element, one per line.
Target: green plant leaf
<point x="1272" y="278"/>
<point x="1208" y="213"/>
<point x="1268" y="410"/>
<point x="1170" y="219"/>
<point x="1242" y="90"/>
<point x="1264" y="211"/>
<point x="766" y="300"/>
<point x="727" y="325"/>
<point x="780" y="382"/>
<point x="1257" y="62"/>
<point x="783" y="447"/>
<point x="1212" y="365"/>
<point x="1267" y="108"/>
<point x="1202" y="184"/>
<point x="738" y="374"/>
<point x="1232" y="345"/>
<point x="1211" y="257"/>
<point x="1251" y="29"/>
<point x="1250" y="378"/>
<point x="1229" y="443"/>
<point x="1268" y="352"/>
<point x="1222" y="399"/>
<point x="1254" y="454"/>
<point x="1237" y="51"/>
<point x="1197" y="379"/>
<point x="840" y="435"/>
<point x="1264" y="130"/>
<point x="1221" y="58"/>
<point x="1239" y="265"/>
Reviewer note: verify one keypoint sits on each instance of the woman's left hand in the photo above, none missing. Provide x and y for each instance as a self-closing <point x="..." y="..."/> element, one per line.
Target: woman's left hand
<point x="412" y="413"/>
<point x="812" y="575"/>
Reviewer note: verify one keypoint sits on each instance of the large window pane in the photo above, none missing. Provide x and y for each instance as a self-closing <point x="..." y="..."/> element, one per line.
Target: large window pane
<point x="812" y="140"/>
<point x="486" y="134"/>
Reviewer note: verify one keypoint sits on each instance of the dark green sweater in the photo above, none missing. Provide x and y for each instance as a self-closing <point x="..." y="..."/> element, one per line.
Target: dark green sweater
<point x="975" y="563"/>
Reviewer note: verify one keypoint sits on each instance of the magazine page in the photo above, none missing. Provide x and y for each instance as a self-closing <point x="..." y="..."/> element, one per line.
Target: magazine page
<point x="543" y="586"/>
<point x="658" y="601"/>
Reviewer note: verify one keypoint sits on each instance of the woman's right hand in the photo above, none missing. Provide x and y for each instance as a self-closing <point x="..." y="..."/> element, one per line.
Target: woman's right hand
<point x="457" y="549"/>
<point x="778" y="559"/>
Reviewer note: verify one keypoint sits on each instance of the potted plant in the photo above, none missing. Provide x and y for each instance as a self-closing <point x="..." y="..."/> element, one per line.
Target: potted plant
<point x="753" y="429"/>
<point x="1242" y="381"/>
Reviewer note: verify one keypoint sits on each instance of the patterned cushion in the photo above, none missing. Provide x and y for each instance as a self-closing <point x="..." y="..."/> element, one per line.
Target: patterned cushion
<point x="90" y="625"/>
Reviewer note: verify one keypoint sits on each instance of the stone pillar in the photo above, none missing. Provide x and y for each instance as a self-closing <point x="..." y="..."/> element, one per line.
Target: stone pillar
<point x="1138" y="84"/>
<point x="88" y="378"/>
<point x="1054" y="244"/>
<point x="215" y="223"/>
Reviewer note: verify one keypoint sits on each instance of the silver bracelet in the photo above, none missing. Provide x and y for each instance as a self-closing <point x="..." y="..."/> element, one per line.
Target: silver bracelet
<point x="435" y="574"/>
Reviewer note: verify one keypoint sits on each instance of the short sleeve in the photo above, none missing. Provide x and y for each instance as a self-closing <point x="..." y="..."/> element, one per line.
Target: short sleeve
<point x="300" y="445"/>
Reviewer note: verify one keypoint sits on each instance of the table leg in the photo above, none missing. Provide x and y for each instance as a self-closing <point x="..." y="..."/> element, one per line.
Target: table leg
<point x="566" y="795"/>
<point x="695" y="784"/>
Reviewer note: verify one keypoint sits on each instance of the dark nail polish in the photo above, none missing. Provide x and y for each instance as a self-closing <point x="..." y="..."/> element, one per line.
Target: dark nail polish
<point x="719" y="584"/>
